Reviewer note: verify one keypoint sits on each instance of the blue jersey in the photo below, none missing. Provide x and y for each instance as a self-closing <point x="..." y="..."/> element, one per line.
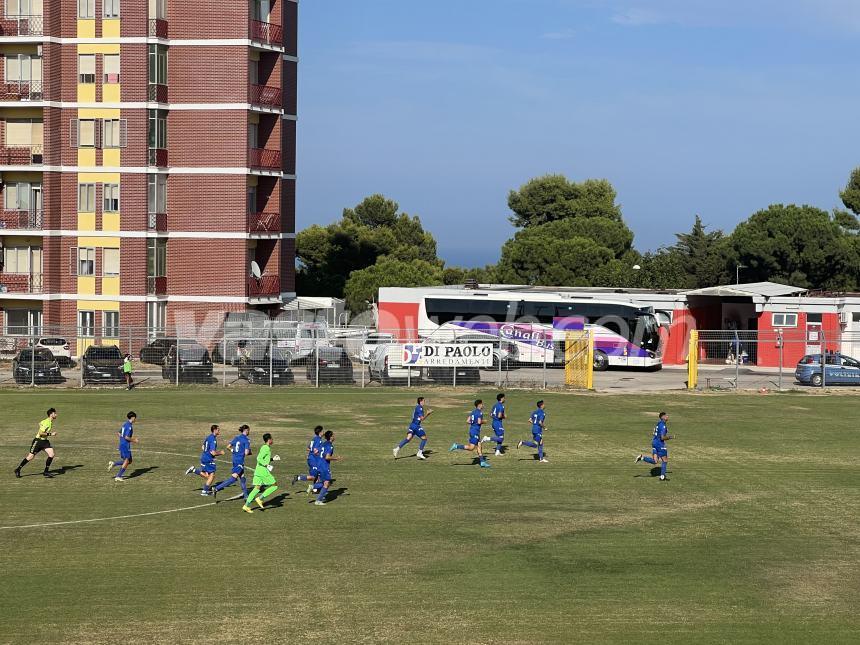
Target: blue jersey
<point x="240" y="446"/>
<point x="498" y="415"/>
<point x="210" y="445"/>
<point x="475" y="421"/>
<point x="417" y="415"/>
<point x="315" y="449"/>
<point x="537" y="420"/>
<point x="326" y="450"/>
<point x="660" y="432"/>
<point x="125" y="434"/>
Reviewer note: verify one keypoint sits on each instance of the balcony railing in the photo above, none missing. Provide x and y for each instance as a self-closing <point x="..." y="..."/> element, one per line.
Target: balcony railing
<point x="264" y="222"/>
<point x="158" y="157"/>
<point x="156" y="285"/>
<point x="21" y="91"/>
<point x="266" y="95"/>
<point x="22" y="25"/>
<point x="157" y="93"/>
<point x="12" y="219"/>
<point x="157" y="28"/>
<point x="20" y="283"/>
<point x="156" y="221"/>
<point x="264" y="159"/>
<point x="23" y="156"/>
<point x="266" y="285"/>
<point x="266" y="32"/>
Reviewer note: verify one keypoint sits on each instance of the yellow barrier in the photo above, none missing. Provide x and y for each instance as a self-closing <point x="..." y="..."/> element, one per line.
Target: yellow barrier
<point x="579" y="359"/>
<point x="693" y="361"/>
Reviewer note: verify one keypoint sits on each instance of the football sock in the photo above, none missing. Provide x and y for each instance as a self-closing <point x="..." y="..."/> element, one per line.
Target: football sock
<point x="48" y="463"/>
<point x="663" y="465"/>
<point x="323" y="493"/>
<point x="499" y="440"/>
<point x="649" y="460"/>
<point x="23" y="463"/>
<point x="540" y="451"/>
<point x="196" y="471"/>
<point x="205" y="488"/>
<point x="244" y="486"/>
<point x="268" y="491"/>
<point x="403" y="443"/>
<point x="530" y="444"/>
<point x="422" y="444"/>
<point x="460" y="446"/>
<point x="118" y="463"/>
<point x="252" y="495"/>
<point x="121" y="472"/>
<point x="224" y="484"/>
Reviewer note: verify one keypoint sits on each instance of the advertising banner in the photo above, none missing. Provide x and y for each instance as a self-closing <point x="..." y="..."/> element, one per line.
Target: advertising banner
<point x="450" y="355"/>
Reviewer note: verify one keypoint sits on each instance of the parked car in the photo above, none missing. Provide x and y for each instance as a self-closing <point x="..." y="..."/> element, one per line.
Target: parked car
<point x="59" y="347"/>
<point x="370" y="344"/>
<point x="154" y="352"/>
<point x="839" y="370"/>
<point x="187" y="362"/>
<point x="102" y="364"/>
<point x="301" y="338"/>
<point x="261" y="361"/>
<point x="36" y="365"/>
<point x="332" y="364"/>
<point x="386" y="366"/>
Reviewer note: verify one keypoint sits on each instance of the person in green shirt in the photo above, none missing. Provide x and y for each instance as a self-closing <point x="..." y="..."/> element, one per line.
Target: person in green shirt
<point x="40" y="443"/>
<point x="263" y="478"/>
<point x="126" y="370"/>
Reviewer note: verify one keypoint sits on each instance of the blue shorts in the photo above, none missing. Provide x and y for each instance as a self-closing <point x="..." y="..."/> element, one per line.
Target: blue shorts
<point x="499" y="432"/>
<point x="125" y="453"/>
<point x="324" y="473"/>
<point x="207" y="468"/>
<point x="660" y="452"/>
<point x="312" y="467"/>
<point x="238" y="470"/>
<point x="474" y="438"/>
<point x="537" y="437"/>
<point x="419" y="432"/>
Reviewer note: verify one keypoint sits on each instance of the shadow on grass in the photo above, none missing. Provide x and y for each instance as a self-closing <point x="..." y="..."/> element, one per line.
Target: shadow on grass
<point x="139" y="472"/>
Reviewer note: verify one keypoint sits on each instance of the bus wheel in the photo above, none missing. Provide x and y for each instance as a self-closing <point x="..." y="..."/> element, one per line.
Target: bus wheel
<point x="601" y="361"/>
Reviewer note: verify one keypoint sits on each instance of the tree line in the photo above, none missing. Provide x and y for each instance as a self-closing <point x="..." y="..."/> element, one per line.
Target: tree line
<point x="569" y="233"/>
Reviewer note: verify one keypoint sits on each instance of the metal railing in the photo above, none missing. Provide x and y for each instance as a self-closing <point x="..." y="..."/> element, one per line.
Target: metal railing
<point x="157" y="93"/>
<point x="21" y="219"/>
<point x="20" y="283"/>
<point x="157" y="157"/>
<point x="265" y="222"/>
<point x="264" y="158"/>
<point x="156" y="222"/>
<point x="156" y="285"/>
<point x="22" y="25"/>
<point x="157" y="28"/>
<point x="265" y="285"/>
<point x="21" y="156"/>
<point x="266" y="32"/>
<point x="21" y="91"/>
<point x="266" y="95"/>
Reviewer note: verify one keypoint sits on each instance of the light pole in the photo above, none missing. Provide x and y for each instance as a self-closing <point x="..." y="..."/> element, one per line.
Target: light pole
<point x="738" y="268"/>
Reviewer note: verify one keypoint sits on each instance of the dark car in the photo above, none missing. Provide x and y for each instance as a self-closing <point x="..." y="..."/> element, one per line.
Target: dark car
<point x="332" y="364"/>
<point x="102" y="364"/>
<point x="155" y="351"/>
<point x="194" y="363"/>
<point x="259" y="361"/>
<point x="36" y="366"/>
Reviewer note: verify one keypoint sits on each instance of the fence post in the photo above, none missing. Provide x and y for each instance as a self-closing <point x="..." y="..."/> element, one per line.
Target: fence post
<point x="271" y="360"/>
<point x="129" y="340"/>
<point x="316" y="364"/>
<point x="409" y="376"/>
<point x="500" y="362"/>
<point x="80" y="361"/>
<point x="224" y="360"/>
<point x="32" y="362"/>
<point x="362" y="371"/>
<point x="737" y="361"/>
<point x="177" y="361"/>
<point x="544" y="364"/>
<point x="823" y="359"/>
<point x="454" y="377"/>
<point x="780" y="341"/>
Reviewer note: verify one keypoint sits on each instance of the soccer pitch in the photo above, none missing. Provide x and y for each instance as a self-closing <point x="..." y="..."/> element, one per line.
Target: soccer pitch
<point x="753" y="539"/>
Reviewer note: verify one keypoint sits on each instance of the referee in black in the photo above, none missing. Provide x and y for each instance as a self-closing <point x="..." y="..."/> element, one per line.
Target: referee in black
<point x="40" y="443"/>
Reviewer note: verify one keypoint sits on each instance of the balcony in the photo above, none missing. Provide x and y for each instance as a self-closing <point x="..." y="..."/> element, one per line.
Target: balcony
<point x="264" y="159"/>
<point x="266" y="95"/>
<point x="21" y="91"/>
<point x="158" y="157"/>
<point x="157" y="28"/>
<point x="21" y="25"/>
<point x="264" y="222"/>
<point x="157" y="222"/>
<point x="156" y="285"/>
<point x="264" y="287"/>
<point x="21" y="156"/>
<point x="267" y="33"/>
<point x="157" y="93"/>
<point x="20" y="283"/>
<point x="25" y="220"/>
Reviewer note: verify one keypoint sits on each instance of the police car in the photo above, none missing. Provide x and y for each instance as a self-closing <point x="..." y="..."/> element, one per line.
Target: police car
<point x="840" y="370"/>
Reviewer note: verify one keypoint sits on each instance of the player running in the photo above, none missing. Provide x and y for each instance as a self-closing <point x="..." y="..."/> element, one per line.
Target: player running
<point x="240" y="447"/>
<point x="659" y="451"/>
<point x="314" y="449"/>
<point x="40" y="443"/>
<point x="497" y="414"/>
<point x="325" y="459"/>
<point x="475" y="421"/>
<point x="126" y="438"/>
<point x="538" y="421"/>
<point x="416" y="430"/>
<point x="207" y="459"/>
<point x="263" y="478"/>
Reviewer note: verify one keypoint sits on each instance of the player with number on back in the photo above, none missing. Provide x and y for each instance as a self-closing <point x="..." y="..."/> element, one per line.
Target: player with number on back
<point x="207" y="459"/>
<point x="263" y="478"/>
<point x="314" y="449"/>
<point x="40" y="443"/>
<point x="126" y="438"/>
<point x="538" y="421"/>
<point x="325" y="460"/>
<point x="240" y="447"/>
<point x="659" y="451"/>
<point x="475" y="421"/>
<point x="416" y="429"/>
<point x="498" y="420"/>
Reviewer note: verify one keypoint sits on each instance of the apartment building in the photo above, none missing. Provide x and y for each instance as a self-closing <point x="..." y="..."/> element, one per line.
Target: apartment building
<point x="147" y="161"/>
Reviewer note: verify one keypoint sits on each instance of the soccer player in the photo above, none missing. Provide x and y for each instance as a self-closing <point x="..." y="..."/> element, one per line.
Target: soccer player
<point x="263" y="476"/>
<point x="207" y="459"/>
<point x="538" y="421"/>
<point x="659" y="451"/>
<point x="498" y="417"/>
<point x="126" y="438"/>
<point x="40" y="443"/>
<point x="475" y="421"/>
<point x="126" y="370"/>
<point x="240" y="447"/>
<point x="314" y="449"/>
<point x="416" y="430"/>
<point x="326" y="457"/>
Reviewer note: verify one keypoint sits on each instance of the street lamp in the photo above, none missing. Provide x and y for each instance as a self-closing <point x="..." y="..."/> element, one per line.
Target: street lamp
<point x="738" y="268"/>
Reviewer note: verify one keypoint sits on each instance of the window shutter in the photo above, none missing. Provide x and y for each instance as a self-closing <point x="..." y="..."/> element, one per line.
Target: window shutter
<point x="73" y="133"/>
<point x="97" y="132"/>
<point x="123" y="133"/>
<point x="73" y="258"/>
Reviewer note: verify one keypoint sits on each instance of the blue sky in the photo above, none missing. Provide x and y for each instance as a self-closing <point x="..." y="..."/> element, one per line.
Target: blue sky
<point x="687" y="106"/>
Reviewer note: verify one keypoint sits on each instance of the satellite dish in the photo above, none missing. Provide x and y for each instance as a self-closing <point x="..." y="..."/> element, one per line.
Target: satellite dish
<point x="255" y="269"/>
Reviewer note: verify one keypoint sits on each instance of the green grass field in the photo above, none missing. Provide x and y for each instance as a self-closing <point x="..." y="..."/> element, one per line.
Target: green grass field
<point x="754" y="538"/>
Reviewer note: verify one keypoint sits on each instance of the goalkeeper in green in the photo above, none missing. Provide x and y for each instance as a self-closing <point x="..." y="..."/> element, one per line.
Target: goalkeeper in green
<point x="263" y="478"/>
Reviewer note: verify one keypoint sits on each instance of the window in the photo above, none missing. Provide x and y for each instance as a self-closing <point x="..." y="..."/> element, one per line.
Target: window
<point x="252" y="199"/>
<point x="22" y="322"/>
<point x="110" y="324"/>
<point x="87" y="323"/>
<point x="158" y="9"/>
<point x="785" y="320"/>
<point x="111" y="198"/>
<point x="156" y="317"/>
<point x="86" y="68"/>
<point x="19" y="133"/>
<point x="114" y="133"/>
<point x="157" y="193"/>
<point x="110" y="262"/>
<point x="813" y="318"/>
<point x="86" y="133"/>
<point x="158" y="64"/>
<point x="86" y="198"/>
<point x="16" y="259"/>
<point x="23" y="68"/>
<point x="19" y="196"/>
<point x="111" y="8"/>
<point x="111" y="67"/>
<point x="156" y="257"/>
<point x="158" y="129"/>
<point x="86" y="261"/>
<point x="253" y="134"/>
<point x="86" y="8"/>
